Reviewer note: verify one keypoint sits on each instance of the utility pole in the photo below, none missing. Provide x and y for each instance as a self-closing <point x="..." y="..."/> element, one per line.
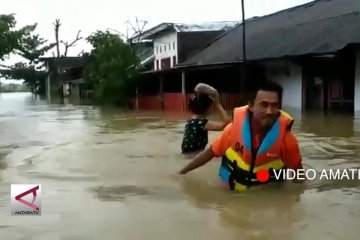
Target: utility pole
<point x="243" y="70"/>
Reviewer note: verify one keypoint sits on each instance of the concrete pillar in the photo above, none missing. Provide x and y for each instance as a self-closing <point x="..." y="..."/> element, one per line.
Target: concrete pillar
<point x="48" y="85"/>
<point x="161" y="92"/>
<point x="183" y="82"/>
<point x="183" y="91"/>
<point x="137" y="98"/>
<point x="357" y="86"/>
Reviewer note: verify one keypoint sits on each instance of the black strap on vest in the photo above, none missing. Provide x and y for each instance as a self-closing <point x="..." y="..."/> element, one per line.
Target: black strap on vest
<point x="237" y="174"/>
<point x="247" y="178"/>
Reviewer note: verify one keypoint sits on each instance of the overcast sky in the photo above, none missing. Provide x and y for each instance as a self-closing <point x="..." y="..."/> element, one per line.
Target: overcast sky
<point x="91" y="15"/>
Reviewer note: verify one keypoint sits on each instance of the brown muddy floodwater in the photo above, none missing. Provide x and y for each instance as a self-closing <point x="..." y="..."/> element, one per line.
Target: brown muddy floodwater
<point x="106" y="174"/>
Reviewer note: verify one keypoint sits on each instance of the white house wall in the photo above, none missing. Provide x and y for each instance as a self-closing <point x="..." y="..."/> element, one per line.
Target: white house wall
<point x="291" y="81"/>
<point x="165" y="46"/>
<point x="357" y="86"/>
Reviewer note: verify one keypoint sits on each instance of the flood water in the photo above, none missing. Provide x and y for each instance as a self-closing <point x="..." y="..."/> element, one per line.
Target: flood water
<point x="108" y="174"/>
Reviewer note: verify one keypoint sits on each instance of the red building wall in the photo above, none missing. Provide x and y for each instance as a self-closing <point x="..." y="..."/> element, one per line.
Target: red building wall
<point x="178" y="102"/>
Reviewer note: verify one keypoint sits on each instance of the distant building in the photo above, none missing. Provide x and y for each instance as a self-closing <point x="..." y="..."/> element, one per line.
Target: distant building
<point x="65" y="77"/>
<point x="312" y="50"/>
<point x="174" y="42"/>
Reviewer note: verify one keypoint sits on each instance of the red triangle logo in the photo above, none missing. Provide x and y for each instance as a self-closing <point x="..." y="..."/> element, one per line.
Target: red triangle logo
<point x="32" y="205"/>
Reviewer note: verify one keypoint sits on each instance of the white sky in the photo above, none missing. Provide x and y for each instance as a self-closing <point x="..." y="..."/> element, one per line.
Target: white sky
<point x="91" y="15"/>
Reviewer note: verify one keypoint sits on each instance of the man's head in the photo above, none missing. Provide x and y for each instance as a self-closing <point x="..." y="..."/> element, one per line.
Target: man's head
<point x="266" y="103"/>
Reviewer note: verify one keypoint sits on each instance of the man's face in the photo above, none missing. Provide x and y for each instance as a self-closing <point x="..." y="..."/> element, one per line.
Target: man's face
<point x="265" y="108"/>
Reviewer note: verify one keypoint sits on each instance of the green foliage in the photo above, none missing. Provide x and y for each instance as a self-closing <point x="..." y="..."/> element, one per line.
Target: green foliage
<point x="33" y="46"/>
<point x="27" y="72"/>
<point x="113" y="69"/>
<point x="9" y="38"/>
<point x="20" y="41"/>
<point x="26" y="44"/>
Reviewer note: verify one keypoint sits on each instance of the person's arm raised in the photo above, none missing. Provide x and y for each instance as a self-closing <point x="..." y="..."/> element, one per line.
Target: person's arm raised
<point x="226" y="119"/>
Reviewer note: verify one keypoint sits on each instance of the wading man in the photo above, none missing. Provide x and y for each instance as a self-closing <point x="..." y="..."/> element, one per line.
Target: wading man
<point x="256" y="143"/>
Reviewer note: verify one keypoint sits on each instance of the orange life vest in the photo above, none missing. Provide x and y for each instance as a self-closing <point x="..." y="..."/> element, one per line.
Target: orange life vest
<point x="241" y="162"/>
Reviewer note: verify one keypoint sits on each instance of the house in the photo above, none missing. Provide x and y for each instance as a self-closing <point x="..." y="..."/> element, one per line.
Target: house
<point x="64" y="77"/>
<point x="174" y="42"/>
<point x="312" y="50"/>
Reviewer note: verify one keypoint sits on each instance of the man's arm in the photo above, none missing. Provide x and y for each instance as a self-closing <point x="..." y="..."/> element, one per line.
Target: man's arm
<point x="217" y="148"/>
<point x="202" y="158"/>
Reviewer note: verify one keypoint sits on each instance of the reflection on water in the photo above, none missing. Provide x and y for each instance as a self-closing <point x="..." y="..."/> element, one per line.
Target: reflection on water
<point x="105" y="172"/>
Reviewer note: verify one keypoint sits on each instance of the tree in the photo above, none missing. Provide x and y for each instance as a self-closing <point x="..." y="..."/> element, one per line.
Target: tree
<point x="9" y="38"/>
<point x="67" y="45"/>
<point x="21" y="41"/>
<point x="136" y="29"/>
<point x="113" y="68"/>
<point x="57" y="25"/>
<point x="33" y="78"/>
<point x="32" y="46"/>
<point x="25" y="43"/>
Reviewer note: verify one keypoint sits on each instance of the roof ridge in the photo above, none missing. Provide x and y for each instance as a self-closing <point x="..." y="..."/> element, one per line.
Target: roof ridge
<point x="224" y="21"/>
<point x="246" y="22"/>
<point x="213" y="40"/>
<point x="356" y="13"/>
<point x="311" y="3"/>
<point x="251" y="20"/>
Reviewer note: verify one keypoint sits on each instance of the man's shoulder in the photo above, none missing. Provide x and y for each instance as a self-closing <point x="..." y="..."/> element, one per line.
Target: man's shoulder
<point x="241" y="108"/>
<point x="239" y="111"/>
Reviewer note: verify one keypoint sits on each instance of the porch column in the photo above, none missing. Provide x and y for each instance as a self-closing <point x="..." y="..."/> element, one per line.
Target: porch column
<point x="161" y="92"/>
<point x="48" y="84"/>
<point x="357" y="86"/>
<point x="183" y="90"/>
<point x="137" y="98"/>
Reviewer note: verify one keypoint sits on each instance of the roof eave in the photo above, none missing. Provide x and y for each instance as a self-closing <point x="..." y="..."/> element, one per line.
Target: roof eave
<point x="149" y="34"/>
